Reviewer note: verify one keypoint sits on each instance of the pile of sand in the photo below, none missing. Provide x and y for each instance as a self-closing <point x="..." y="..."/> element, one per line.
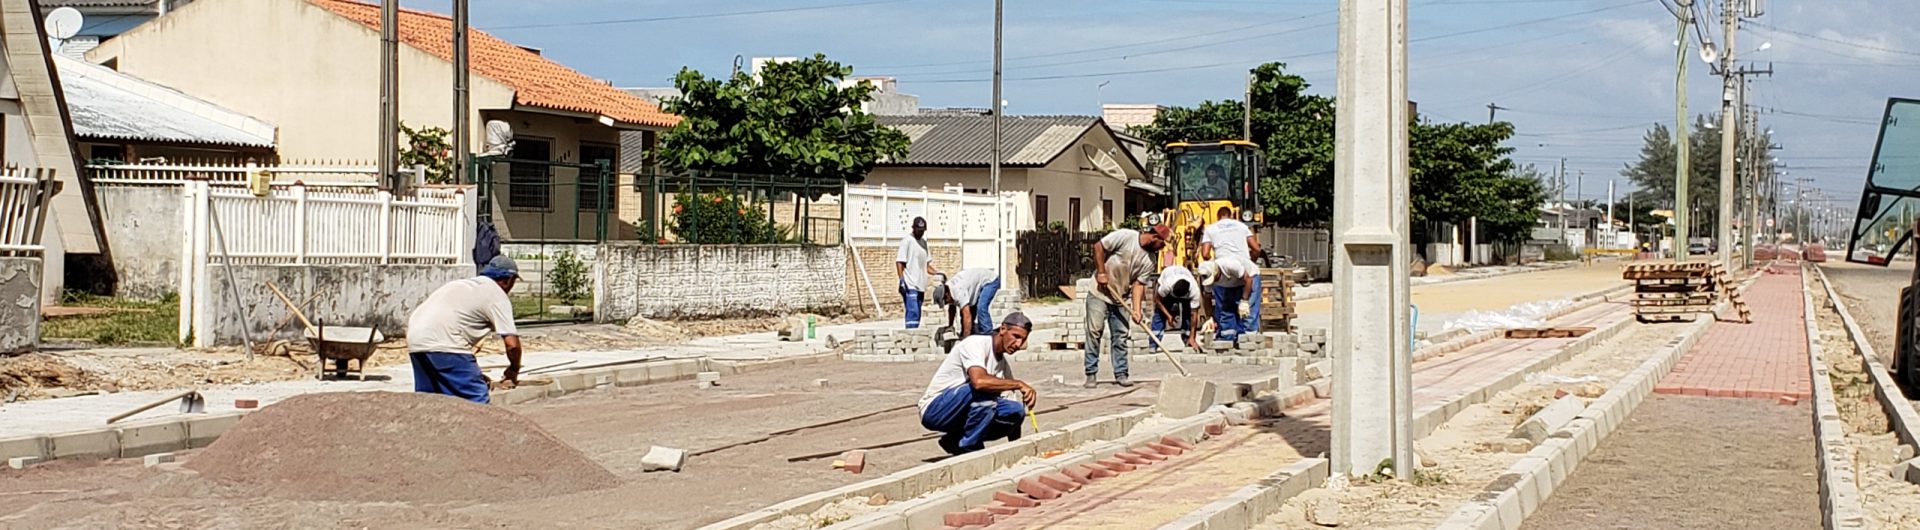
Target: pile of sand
<point x="388" y="446"/>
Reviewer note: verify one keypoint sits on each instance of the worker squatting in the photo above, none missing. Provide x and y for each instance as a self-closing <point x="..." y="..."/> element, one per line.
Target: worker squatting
<point x="964" y="400"/>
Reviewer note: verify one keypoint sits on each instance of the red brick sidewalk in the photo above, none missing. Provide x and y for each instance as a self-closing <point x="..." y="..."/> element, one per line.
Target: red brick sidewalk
<point x="1766" y="359"/>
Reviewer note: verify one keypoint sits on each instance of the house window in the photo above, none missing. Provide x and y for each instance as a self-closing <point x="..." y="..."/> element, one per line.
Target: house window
<point x="1040" y="217"/>
<point x="1073" y="213"/>
<point x="530" y="184"/>
<point x="589" y="187"/>
<point x="1106" y="212"/>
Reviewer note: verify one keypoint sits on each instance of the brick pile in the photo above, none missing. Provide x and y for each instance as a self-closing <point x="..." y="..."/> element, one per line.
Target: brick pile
<point x="895" y="345"/>
<point x="1073" y="332"/>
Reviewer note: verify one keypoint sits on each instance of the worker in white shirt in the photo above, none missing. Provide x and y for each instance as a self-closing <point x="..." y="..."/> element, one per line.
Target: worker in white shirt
<point x="1177" y="298"/>
<point x="914" y="264"/>
<point x="964" y="400"/>
<point x="969" y="296"/>
<point x="1229" y="247"/>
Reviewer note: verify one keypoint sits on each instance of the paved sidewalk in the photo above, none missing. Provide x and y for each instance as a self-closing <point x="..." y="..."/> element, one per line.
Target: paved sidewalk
<point x="1765" y="359"/>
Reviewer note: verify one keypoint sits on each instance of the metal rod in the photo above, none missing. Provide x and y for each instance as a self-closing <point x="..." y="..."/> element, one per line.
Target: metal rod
<point x="233" y="287"/>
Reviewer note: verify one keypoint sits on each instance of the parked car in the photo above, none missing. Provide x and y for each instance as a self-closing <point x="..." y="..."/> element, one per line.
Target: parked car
<point x="1698" y="248"/>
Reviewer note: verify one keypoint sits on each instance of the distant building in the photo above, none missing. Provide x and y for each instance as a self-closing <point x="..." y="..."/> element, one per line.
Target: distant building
<point x="1123" y="116"/>
<point x="1074" y="168"/>
<point x="121" y="118"/>
<point x="104" y="19"/>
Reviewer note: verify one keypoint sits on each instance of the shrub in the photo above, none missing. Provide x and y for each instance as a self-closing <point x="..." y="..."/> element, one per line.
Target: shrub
<point x="568" y="277"/>
<point x="719" y="219"/>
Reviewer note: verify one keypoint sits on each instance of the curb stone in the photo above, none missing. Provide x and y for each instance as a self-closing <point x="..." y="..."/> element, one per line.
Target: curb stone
<point x="1840" y="500"/>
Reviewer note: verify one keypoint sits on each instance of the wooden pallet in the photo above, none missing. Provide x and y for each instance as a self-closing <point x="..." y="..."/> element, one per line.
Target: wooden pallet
<point x="1672" y="309"/>
<point x="1547" y="333"/>
<point x="1665" y="318"/>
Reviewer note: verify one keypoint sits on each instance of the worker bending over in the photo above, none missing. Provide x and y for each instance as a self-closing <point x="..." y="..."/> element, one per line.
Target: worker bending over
<point x="442" y="334"/>
<point x="964" y="401"/>
<point x="1229" y="246"/>
<point x="1126" y="263"/>
<point x="1176" y="302"/>
<point x="969" y="296"/>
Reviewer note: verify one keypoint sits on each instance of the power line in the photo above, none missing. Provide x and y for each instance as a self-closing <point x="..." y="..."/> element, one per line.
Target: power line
<point x="1862" y="46"/>
<point x="1117" y="46"/>
<point x="1154" y="52"/>
<point x="695" y="16"/>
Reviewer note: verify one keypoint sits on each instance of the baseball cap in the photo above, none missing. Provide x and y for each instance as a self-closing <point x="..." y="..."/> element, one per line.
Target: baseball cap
<point x="501" y="267"/>
<point x="1017" y="320"/>
<point x="1164" y="232"/>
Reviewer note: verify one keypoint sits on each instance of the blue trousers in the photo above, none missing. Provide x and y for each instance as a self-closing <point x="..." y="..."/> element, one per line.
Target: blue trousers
<point x="970" y="418"/>
<point x="1182" y="320"/>
<point x="1106" y="323"/>
<point x="1226" y="310"/>
<point x="982" y="319"/>
<point x="912" y="297"/>
<point x="452" y="374"/>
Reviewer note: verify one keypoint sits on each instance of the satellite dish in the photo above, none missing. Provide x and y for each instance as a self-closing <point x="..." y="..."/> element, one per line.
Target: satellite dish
<point x="499" y="138"/>
<point x="63" y="23"/>
<point x="1103" y="162"/>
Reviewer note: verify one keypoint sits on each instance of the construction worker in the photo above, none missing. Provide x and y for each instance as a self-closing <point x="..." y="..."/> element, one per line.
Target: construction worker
<point x="914" y="264"/>
<point x="1176" y="302"/>
<point x="443" y="332"/>
<point x="968" y="296"/>
<point x="964" y="401"/>
<point x="1125" y="265"/>
<point x="1229" y="246"/>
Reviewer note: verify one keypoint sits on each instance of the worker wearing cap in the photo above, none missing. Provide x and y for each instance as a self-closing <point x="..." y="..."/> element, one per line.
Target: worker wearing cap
<point x="442" y="334"/>
<point x="964" y="401"/>
<point x="914" y="264"/>
<point x="1126" y="259"/>
<point x="968" y="296"/>
<point x="1229" y="245"/>
<point x="1176" y="302"/>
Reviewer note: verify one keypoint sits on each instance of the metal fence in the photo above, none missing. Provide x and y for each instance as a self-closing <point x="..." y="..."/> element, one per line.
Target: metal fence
<point x="734" y="208"/>
<point x="1049" y="259"/>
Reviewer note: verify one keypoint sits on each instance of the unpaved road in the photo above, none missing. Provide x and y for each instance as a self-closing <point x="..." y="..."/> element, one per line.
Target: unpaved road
<point x="1695" y="462"/>
<point x="614" y="428"/>
<point x="1873" y="297"/>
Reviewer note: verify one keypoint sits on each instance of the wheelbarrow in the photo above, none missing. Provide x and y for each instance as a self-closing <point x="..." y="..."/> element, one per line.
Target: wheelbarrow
<point x="341" y="344"/>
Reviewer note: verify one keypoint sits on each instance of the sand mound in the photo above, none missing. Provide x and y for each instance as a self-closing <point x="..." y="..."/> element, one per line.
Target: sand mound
<point x="389" y="446"/>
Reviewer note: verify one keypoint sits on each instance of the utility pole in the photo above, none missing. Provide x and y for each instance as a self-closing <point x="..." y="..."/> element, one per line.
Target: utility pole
<point x="462" y="124"/>
<point x="1246" y="114"/>
<point x="1562" y="207"/>
<point x="1491" y="109"/>
<point x="390" y="94"/>
<point x="999" y="202"/>
<point x="1372" y="354"/>
<point x="1680" y="204"/>
<point x="1729" y="137"/>
<point x="1611" y="233"/>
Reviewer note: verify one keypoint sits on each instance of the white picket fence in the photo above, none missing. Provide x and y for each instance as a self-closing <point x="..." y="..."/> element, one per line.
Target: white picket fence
<point x="343" y="174"/>
<point x="25" y="197"/>
<point x="882" y="216"/>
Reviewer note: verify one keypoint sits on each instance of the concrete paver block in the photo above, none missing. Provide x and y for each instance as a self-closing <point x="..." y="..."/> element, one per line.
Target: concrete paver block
<point x="708" y="377"/>
<point x="1016" y="500"/>
<point x="1549" y="419"/>
<point x="663" y="459"/>
<point x="1036" y="489"/>
<point x="142" y="440"/>
<point x="23" y="462"/>
<point x="1908" y="470"/>
<point x="1183" y="396"/>
<point x="853" y="461"/>
<point x="157" y="459"/>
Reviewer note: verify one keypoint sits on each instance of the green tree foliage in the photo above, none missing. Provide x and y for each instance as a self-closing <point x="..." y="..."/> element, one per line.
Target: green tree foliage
<point x="720" y="219"/>
<point x="792" y="120"/>
<point x="428" y="146"/>
<point x="1653" y="173"/>
<point x="1459" y="171"/>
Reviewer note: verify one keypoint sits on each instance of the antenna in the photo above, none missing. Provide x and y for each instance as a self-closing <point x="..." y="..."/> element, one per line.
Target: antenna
<point x="63" y="23"/>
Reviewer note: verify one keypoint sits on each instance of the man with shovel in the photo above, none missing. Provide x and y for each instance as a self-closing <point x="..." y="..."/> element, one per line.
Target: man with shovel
<point x="442" y="333"/>
<point x="1123" y="265"/>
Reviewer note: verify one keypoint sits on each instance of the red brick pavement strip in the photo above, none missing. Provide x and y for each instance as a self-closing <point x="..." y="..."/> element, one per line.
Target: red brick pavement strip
<point x="1766" y="359"/>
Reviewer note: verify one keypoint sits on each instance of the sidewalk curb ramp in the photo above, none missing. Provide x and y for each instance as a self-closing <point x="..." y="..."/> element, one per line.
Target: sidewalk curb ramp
<point x="1506" y="502"/>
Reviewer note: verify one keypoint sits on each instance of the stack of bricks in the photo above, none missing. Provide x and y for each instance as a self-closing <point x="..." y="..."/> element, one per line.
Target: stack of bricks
<point x="1073" y="331"/>
<point x="1311" y="342"/>
<point x="898" y="345"/>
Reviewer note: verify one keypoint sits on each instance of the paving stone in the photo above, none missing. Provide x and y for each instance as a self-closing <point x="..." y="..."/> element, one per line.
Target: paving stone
<point x="156" y="459"/>
<point x="1551" y="418"/>
<point x="1033" y="487"/>
<point x="1184" y="396"/>
<point x="1015" y="500"/>
<point x="1060" y="482"/>
<point x="663" y="459"/>
<point x="22" y="462"/>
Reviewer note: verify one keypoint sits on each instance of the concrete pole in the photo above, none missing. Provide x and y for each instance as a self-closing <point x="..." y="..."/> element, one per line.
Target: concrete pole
<point x="1752" y="176"/>
<point x="462" y="124"/>
<point x="390" y="93"/>
<point x="1681" y="207"/>
<point x="999" y="202"/>
<point x="1612" y="238"/>
<point x="1372" y="370"/>
<point x="1729" y="139"/>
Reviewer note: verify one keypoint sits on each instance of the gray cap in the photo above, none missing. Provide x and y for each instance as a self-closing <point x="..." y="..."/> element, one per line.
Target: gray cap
<point x="501" y="267"/>
<point x="1017" y="319"/>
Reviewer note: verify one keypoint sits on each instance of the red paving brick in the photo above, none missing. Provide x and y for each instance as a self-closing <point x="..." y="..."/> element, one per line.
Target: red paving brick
<point x="1766" y="359"/>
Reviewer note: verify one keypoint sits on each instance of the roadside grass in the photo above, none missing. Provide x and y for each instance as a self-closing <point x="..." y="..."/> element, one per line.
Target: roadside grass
<point x="130" y="322"/>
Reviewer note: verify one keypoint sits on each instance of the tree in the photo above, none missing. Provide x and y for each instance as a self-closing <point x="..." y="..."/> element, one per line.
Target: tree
<point x="1653" y="173"/>
<point x="1294" y="129"/>
<point x="428" y="146"/>
<point x="793" y="119"/>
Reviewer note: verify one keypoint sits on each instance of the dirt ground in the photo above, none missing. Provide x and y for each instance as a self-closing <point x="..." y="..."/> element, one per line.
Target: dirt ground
<point x="1696" y="462"/>
<point x="1464" y="461"/>
<point x="1455" y="297"/>
<point x="614" y="427"/>
<point x="1870" y="294"/>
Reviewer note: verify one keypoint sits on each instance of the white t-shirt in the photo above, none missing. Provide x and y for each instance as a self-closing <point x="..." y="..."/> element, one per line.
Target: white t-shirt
<point x="1234" y="271"/>
<point x="1176" y="274"/>
<point x="1229" y="239"/>
<point x="458" y="315"/>
<point x="1126" y="263"/>
<point x="965" y="286"/>
<point x="972" y="351"/>
<point x="913" y="252"/>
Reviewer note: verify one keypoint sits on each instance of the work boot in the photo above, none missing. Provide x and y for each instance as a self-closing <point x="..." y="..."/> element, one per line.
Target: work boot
<point x="1092" y="381"/>
<point x="1122" y="381"/>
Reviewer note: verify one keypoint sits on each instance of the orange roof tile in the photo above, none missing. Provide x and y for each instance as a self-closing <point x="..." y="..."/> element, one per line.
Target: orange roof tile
<point x="536" y="81"/>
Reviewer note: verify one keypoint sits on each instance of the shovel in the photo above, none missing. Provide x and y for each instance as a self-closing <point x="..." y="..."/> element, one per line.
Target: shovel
<point x="191" y="402"/>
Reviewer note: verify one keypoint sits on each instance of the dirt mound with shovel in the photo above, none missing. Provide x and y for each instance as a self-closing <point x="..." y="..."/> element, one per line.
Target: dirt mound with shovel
<point x="390" y="446"/>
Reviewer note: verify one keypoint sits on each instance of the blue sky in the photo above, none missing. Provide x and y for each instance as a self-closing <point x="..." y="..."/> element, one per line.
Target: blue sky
<point x="1583" y="78"/>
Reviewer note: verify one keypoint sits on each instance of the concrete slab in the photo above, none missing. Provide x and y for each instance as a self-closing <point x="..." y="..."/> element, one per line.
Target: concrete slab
<point x="141" y="440"/>
<point x="85" y="444"/>
<point x="1183" y="396"/>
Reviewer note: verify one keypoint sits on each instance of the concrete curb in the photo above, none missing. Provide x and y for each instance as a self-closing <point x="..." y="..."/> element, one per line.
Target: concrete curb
<point x="1429" y="418"/>
<point x="1506" y="502"/>
<point x="1251" y="504"/>
<point x="1083" y="441"/>
<point x="1840" y="499"/>
<point x="1900" y="412"/>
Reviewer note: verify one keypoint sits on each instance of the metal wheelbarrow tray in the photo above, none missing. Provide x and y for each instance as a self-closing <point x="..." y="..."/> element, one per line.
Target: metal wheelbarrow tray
<point x="341" y="344"/>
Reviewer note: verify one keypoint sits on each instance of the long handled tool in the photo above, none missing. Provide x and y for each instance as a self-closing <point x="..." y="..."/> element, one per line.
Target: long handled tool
<point x="191" y="402"/>
<point x="1115" y="293"/>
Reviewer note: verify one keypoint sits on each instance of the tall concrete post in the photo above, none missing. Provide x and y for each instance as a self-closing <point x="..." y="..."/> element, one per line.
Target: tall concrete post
<point x="1729" y="139"/>
<point x="1372" y="363"/>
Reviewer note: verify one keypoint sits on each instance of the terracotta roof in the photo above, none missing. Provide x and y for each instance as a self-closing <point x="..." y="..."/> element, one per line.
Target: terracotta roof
<point x="536" y="81"/>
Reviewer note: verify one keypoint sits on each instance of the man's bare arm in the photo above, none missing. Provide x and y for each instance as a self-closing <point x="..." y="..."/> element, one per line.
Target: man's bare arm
<point x="986" y="382"/>
<point x="512" y="344"/>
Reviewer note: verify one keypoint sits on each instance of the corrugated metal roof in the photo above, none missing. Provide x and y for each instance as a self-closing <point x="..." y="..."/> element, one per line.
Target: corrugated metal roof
<point x="106" y="104"/>
<point x="964" y="140"/>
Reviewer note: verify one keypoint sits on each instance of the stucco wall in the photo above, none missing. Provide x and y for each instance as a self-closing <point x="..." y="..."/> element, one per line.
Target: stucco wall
<point x="143" y="227"/>
<point x="380" y="296"/>
<point x="19" y="304"/>
<point x="703" y="281"/>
